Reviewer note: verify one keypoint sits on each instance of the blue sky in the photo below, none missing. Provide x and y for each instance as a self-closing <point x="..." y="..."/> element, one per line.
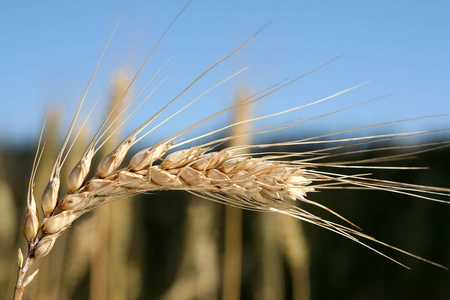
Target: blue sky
<point x="49" y="50"/>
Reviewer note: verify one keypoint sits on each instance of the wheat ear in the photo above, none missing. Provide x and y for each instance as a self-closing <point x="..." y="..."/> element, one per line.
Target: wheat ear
<point x="264" y="181"/>
<point x="226" y="176"/>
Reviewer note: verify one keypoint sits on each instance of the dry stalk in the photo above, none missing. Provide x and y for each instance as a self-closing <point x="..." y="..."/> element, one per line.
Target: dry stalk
<point x="265" y="181"/>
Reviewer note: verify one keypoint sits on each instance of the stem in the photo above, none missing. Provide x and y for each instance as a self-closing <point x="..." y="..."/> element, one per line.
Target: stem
<point x="19" y="290"/>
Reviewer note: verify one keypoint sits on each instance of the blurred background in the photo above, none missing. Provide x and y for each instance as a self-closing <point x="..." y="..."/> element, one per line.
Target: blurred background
<point x="174" y="246"/>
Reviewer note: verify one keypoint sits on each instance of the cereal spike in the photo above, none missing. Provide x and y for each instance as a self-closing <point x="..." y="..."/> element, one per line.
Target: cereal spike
<point x="51" y="192"/>
<point x="30" y="224"/>
<point x="79" y="172"/>
<point x="50" y="196"/>
<point x="113" y="160"/>
<point x="266" y="181"/>
<point x="194" y="177"/>
<point x="182" y="157"/>
<point x="144" y="158"/>
<point x="74" y="201"/>
<point x="44" y="246"/>
<point x="211" y="160"/>
<point x="59" y="222"/>
<point x="164" y="178"/>
<point x="30" y="221"/>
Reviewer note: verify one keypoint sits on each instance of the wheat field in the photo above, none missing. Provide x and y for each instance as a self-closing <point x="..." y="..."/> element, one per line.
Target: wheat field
<point x="246" y="199"/>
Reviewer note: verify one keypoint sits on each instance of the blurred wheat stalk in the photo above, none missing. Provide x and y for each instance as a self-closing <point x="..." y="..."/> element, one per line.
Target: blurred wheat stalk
<point x="8" y="235"/>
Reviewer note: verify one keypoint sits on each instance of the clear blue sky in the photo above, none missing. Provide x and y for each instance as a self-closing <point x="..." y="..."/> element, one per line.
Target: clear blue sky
<point x="48" y="50"/>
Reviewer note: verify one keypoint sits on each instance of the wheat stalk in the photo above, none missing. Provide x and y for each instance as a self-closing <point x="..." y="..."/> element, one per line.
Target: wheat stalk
<point x="265" y="181"/>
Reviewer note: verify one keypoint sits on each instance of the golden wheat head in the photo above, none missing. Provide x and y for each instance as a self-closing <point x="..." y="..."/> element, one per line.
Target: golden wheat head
<point x="263" y="181"/>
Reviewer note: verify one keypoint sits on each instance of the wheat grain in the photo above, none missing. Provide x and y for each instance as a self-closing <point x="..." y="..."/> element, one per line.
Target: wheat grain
<point x="263" y="182"/>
